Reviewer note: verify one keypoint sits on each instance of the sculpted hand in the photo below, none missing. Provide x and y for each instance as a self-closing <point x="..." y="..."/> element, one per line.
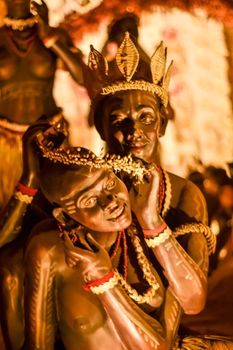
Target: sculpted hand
<point x="93" y="262"/>
<point x="42" y="14"/>
<point x="144" y="202"/>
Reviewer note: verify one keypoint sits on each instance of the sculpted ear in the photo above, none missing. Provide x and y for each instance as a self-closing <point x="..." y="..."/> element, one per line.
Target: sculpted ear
<point x="163" y="121"/>
<point x="59" y="216"/>
<point x="166" y="113"/>
<point x="64" y="219"/>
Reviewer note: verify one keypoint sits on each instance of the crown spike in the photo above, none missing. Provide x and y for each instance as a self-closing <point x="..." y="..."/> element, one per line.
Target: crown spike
<point x="158" y="63"/>
<point x="125" y="77"/>
<point x="127" y="57"/>
<point x="97" y="62"/>
<point x="167" y="77"/>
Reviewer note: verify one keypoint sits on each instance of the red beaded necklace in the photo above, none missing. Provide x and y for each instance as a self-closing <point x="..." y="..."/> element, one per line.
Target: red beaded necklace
<point x="162" y="189"/>
<point x="12" y="40"/>
<point x="121" y="237"/>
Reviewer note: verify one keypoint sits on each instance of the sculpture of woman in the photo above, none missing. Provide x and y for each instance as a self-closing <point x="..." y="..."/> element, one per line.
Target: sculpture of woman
<point x="130" y="99"/>
<point x="29" y="54"/>
<point x="84" y="299"/>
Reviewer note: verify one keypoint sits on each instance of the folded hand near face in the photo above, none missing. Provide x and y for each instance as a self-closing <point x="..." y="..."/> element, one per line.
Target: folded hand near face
<point x="92" y="260"/>
<point x="144" y="200"/>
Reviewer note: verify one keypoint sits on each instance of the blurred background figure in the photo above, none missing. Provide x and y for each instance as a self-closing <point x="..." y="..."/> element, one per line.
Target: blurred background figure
<point x="28" y="64"/>
<point x="217" y="188"/>
<point x="216" y="318"/>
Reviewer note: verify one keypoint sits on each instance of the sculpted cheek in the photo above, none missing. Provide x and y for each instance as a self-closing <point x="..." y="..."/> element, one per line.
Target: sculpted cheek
<point x="88" y="217"/>
<point x="152" y="134"/>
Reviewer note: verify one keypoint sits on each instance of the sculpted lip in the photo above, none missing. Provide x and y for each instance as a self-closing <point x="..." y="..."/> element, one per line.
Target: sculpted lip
<point x="117" y="212"/>
<point x="137" y="144"/>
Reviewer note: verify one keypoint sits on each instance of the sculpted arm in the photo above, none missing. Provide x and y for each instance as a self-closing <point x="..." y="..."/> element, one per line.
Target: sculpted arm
<point x="197" y="247"/>
<point x="13" y="215"/>
<point x="12" y="219"/>
<point x="186" y="279"/>
<point x="60" y="43"/>
<point x="39" y="295"/>
<point x="137" y="330"/>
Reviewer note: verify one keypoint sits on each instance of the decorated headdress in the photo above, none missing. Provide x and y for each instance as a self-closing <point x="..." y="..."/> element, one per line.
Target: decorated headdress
<point x="128" y="72"/>
<point x="79" y="156"/>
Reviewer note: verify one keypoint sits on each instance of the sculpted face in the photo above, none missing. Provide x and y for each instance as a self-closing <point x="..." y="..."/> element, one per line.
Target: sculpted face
<point x="131" y="122"/>
<point x="97" y="199"/>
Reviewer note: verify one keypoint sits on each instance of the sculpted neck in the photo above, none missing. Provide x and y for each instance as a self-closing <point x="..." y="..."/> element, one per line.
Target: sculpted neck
<point x="105" y="239"/>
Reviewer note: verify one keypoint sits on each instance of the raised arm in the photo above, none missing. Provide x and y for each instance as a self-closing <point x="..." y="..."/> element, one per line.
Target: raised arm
<point x="186" y="279"/>
<point x="136" y="329"/>
<point x="60" y="43"/>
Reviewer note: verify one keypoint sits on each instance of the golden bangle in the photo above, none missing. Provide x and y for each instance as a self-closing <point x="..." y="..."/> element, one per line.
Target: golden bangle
<point x="157" y="240"/>
<point x="104" y="287"/>
<point x="23" y="197"/>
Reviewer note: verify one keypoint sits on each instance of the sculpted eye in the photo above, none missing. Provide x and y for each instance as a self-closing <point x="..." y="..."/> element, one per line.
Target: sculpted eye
<point x="117" y="119"/>
<point x="88" y="202"/>
<point x="147" y="118"/>
<point x="111" y="183"/>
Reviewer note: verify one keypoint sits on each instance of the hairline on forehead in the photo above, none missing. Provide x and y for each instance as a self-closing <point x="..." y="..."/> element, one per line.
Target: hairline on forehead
<point x="115" y="104"/>
<point x="102" y="175"/>
<point x="67" y="177"/>
<point x="128" y="92"/>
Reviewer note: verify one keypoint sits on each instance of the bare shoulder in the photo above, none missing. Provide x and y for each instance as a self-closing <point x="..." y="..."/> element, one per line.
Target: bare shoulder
<point x="44" y="241"/>
<point x="187" y="197"/>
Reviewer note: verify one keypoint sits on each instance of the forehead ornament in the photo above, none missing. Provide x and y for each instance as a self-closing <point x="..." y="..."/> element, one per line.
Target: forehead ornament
<point x="21" y="23"/>
<point x="122" y="73"/>
<point x="83" y="157"/>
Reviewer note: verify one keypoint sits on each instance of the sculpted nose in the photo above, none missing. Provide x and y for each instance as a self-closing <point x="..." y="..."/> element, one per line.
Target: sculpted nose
<point x="135" y="133"/>
<point x="105" y="199"/>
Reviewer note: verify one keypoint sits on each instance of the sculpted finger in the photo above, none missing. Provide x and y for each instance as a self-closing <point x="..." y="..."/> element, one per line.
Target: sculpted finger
<point x="70" y="262"/>
<point x="75" y="252"/>
<point x="81" y="232"/>
<point x="76" y="255"/>
<point x="93" y="242"/>
<point x="34" y="7"/>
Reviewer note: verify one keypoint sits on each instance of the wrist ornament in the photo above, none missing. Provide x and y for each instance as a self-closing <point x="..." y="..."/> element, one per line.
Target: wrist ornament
<point x="103" y="284"/>
<point x="159" y="237"/>
<point x="25" y="194"/>
<point x="50" y="40"/>
<point x="155" y="231"/>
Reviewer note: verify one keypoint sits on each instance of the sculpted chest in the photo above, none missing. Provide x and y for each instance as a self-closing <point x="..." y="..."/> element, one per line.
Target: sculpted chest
<point x="33" y="61"/>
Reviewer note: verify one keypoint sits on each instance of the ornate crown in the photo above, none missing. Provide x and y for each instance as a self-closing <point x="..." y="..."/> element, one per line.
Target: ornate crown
<point x="128" y="72"/>
<point x="83" y="157"/>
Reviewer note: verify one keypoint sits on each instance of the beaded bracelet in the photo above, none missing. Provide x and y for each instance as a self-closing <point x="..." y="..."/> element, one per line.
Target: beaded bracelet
<point x="25" y="194"/>
<point x="155" y="231"/>
<point x="103" y="284"/>
<point x="161" y="238"/>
